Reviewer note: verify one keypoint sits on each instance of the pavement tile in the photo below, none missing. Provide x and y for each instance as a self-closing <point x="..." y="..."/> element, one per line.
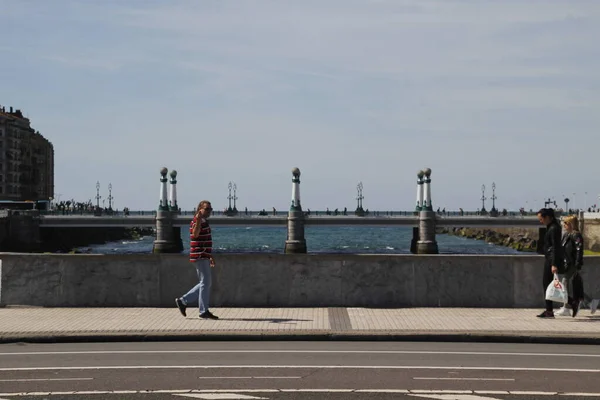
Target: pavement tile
<point x="15" y="321"/>
<point x="469" y="319"/>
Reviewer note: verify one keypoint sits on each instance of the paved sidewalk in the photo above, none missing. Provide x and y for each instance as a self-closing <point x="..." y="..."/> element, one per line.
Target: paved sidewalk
<point x="439" y="324"/>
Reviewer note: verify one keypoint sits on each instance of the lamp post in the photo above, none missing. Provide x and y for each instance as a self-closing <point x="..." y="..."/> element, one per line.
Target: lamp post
<point x="494" y="211"/>
<point x="229" y="197"/>
<point x="567" y="205"/>
<point x="585" y="201"/>
<point x="110" y="197"/>
<point x="98" y="194"/>
<point x="234" y="197"/>
<point x="359" y="198"/>
<point x="483" y="199"/>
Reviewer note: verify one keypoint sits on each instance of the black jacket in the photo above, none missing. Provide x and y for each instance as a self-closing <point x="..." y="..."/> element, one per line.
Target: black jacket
<point x="553" y="249"/>
<point x="573" y="248"/>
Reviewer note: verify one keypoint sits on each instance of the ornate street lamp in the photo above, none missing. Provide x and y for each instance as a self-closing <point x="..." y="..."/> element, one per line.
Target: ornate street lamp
<point x="229" y="197"/>
<point x="483" y="199"/>
<point x="234" y="197"/>
<point x="110" y="197"/>
<point x="98" y="197"/>
<point x="359" y="198"/>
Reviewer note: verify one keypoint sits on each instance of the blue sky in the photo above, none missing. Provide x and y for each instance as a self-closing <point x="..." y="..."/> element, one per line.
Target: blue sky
<point x="346" y="90"/>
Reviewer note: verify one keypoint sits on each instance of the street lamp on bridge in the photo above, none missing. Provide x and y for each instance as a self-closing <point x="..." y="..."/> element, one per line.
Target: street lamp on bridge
<point x="494" y="212"/>
<point x="483" y="199"/>
<point x="98" y="197"/>
<point x="110" y="197"/>
<point x="234" y="197"/>
<point x="231" y="211"/>
<point x="359" y="198"/>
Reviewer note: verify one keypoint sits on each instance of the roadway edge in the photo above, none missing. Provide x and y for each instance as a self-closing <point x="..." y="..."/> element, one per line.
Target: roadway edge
<point x="399" y="336"/>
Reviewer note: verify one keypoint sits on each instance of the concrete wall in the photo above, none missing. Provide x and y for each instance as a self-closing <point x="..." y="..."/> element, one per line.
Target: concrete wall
<point x="256" y="280"/>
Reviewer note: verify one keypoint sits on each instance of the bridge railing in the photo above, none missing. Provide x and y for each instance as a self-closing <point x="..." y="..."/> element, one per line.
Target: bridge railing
<point x="254" y="213"/>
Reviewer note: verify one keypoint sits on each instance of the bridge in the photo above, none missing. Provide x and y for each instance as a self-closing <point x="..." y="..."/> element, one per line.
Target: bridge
<point x="80" y="221"/>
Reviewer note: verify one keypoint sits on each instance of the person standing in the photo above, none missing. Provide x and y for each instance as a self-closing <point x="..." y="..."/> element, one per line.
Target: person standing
<point x="553" y="254"/>
<point x="201" y="256"/>
<point x="572" y="244"/>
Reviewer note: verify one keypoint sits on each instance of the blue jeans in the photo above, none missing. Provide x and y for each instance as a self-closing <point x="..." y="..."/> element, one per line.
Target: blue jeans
<point x="200" y="292"/>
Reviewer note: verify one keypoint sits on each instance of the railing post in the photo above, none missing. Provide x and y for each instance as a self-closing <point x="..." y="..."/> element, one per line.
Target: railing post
<point x="295" y="242"/>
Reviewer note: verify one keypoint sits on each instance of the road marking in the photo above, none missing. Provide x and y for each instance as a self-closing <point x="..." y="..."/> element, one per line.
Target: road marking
<point x="219" y="396"/>
<point x="49" y="379"/>
<point x="467" y="353"/>
<point x="453" y="396"/>
<point x="249" y="377"/>
<point x="462" y="379"/>
<point x="399" y="367"/>
<point x="416" y="392"/>
<point x="531" y="393"/>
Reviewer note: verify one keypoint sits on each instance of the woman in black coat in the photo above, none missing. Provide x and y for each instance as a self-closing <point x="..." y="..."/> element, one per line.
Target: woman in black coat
<point x="572" y="243"/>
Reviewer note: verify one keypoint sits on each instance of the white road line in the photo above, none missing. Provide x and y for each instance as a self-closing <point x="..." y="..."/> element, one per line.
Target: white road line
<point x="237" y="391"/>
<point x="249" y="377"/>
<point x="220" y="396"/>
<point x="463" y="379"/>
<point x="467" y="353"/>
<point x="399" y="367"/>
<point x="453" y="396"/>
<point x="49" y="379"/>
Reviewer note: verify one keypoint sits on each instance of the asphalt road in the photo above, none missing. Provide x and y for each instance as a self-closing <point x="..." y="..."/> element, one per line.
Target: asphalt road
<point x="277" y="370"/>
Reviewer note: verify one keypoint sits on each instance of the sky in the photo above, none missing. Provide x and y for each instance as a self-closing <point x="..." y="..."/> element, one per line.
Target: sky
<point x="349" y="91"/>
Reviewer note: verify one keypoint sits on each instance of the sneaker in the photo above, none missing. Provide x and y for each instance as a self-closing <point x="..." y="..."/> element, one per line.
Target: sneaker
<point x="594" y="305"/>
<point x="208" y="315"/>
<point x="181" y="306"/>
<point x="546" y="314"/>
<point x="563" y="312"/>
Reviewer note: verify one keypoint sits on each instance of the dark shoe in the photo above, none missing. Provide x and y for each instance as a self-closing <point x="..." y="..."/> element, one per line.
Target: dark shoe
<point x="181" y="306"/>
<point x="546" y="314"/>
<point x="575" y="306"/>
<point x="208" y="315"/>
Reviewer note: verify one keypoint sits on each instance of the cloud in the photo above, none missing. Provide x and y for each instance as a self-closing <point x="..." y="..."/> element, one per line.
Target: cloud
<point x="346" y="90"/>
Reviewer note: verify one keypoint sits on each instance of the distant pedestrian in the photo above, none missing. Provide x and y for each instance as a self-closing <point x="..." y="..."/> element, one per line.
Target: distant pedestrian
<point x="572" y="243"/>
<point x="201" y="256"/>
<point x="553" y="254"/>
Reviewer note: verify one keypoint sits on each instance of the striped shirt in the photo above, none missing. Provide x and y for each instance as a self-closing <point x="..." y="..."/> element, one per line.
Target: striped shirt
<point x="201" y="245"/>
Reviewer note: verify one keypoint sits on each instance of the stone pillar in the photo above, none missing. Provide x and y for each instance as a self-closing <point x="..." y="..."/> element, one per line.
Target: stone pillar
<point x="419" y="191"/>
<point x="173" y="192"/>
<point x="174" y="208"/>
<point x="427" y="243"/>
<point x="295" y="242"/>
<point x="164" y="242"/>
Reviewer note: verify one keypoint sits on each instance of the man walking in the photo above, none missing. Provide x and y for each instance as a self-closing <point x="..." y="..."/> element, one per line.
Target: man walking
<point x="553" y="254"/>
<point x="201" y="256"/>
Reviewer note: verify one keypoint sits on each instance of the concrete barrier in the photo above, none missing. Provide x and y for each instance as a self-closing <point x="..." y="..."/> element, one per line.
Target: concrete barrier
<point x="278" y="280"/>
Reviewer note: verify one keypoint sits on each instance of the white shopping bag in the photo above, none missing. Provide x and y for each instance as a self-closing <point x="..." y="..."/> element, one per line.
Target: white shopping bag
<point x="557" y="290"/>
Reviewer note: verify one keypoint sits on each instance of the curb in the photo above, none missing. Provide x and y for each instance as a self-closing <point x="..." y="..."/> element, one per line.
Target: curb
<point x="394" y="336"/>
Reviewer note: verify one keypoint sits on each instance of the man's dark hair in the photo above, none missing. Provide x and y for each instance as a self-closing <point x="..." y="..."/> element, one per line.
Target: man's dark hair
<point x="547" y="212"/>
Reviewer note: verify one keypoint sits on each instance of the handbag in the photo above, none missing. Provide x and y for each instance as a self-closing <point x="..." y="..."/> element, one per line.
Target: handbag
<point x="557" y="290"/>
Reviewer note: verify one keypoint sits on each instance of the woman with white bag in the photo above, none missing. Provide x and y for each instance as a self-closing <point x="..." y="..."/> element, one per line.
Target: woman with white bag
<point x="572" y="243"/>
<point x="553" y="255"/>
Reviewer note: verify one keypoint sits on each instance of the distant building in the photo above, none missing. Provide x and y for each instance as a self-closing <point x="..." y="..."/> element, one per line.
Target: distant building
<point x="26" y="160"/>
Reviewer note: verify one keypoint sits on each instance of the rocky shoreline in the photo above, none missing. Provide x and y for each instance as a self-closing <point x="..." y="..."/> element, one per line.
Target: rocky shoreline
<point x="519" y="239"/>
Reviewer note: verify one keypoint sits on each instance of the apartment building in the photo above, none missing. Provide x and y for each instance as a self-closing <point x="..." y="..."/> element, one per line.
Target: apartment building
<point x="26" y="159"/>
